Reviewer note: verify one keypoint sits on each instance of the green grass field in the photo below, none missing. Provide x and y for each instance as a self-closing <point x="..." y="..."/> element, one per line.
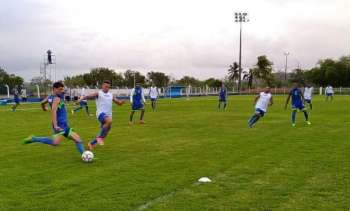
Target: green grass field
<point x="155" y="166"/>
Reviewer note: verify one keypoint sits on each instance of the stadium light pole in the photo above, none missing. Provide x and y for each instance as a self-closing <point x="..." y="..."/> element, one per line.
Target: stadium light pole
<point x="240" y="17"/>
<point x="286" y="54"/>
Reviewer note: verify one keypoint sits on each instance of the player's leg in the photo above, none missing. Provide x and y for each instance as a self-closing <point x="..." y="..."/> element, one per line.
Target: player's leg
<point x="142" y="115"/>
<point x="131" y="116"/>
<point x="294" y="114"/>
<point x="76" y="138"/>
<point x="106" y="124"/>
<point x="54" y="141"/>
<point x="225" y="104"/>
<point x="14" y="107"/>
<point x="87" y="110"/>
<point x="255" y="118"/>
<point x="306" y="115"/>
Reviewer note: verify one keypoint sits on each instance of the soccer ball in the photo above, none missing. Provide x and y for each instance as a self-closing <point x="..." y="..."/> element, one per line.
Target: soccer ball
<point x="87" y="156"/>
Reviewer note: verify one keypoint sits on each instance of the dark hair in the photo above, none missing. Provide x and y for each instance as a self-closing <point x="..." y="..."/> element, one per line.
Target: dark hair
<point x="58" y="84"/>
<point x="107" y="82"/>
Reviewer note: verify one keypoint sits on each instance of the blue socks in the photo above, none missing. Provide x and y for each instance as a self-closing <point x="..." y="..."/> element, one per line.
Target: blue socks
<point x="77" y="109"/>
<point x="93" y="142"/>
<point x="80" y="147"/>
<point x="43" y="140"/>
<point x="294" y="114"/>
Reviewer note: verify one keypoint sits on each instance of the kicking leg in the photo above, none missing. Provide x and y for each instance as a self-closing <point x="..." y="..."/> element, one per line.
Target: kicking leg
<point x="78" y="142"/>
<point x="294" y="114"/>
<point x="142" y="116"/>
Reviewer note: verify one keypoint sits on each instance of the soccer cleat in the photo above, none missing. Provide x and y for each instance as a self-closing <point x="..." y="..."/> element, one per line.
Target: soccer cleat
<point x="27" y="140"/>
<point x="142" y="122"/>
<point x="131" y="123"/>
<point x="90" y="146"/>
<point x="100" y="141"/>
<point x="293" y="125"/>
<point x="308" y="122"/>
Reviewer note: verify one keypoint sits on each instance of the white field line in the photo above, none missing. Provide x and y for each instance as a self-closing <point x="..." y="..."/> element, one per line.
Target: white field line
<point x="164" y="197"/>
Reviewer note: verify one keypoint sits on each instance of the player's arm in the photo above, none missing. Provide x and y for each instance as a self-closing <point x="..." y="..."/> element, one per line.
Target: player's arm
<point x="131" y="95"/>
<point x="256" y="99"/>
<point x="55" y="103"/>
<point x="117" y="101"/>
<point x="271" y="101"/>
<point x="143" y="97"/>
<point x="90" y="96"/>
<point x="43" y="103"/>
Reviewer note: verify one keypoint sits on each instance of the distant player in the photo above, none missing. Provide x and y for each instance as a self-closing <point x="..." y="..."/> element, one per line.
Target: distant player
<point x="15" y="99"/>
<point x="104" y="102"/>
<point x="222" y="97"/>
<point x="59" y="121"/>
<point x="82" y="104"/>
<point x="297" y="103"/>
<point x="329" y="93"/>
<point x="137" y="100"/>
<point x="308" y="91"/>
<point x="262" y="102"/>
<point x="153" y="93"/>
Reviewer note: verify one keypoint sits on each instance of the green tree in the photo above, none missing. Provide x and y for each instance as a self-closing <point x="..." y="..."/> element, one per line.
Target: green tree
<point x="263" y="70"/>
<point x="233" y="72"/>
<point x="158" y="78"/>
<point x="188" y="80"/>
<point x="212" y="82"/>
<point x="129" y="78"/>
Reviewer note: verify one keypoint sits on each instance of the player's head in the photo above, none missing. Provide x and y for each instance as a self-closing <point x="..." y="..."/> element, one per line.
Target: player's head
<point x="106" y="85"/>
<point x="295" y="84"/>
<point x="58" y="88"/>
<point x="137" y="85"/>
<point x="222" y="84"/>
<point x="267" y="90"/>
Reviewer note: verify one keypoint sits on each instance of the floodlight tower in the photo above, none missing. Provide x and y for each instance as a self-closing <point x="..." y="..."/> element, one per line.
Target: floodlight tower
<point x="48" y="66"/>
<point x="286" y="54"/>
<point x="240" y="17"/>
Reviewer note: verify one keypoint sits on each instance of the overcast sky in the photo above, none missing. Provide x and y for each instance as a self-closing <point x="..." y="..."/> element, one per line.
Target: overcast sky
<point x="179" y="37"/>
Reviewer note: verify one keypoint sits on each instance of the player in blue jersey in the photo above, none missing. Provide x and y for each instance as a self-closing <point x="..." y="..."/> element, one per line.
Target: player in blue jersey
<point x="82" y="104"/>
<point x="15" y="99"/>
<point x="137" y="100"/>
<point x="297" y="103"/>
<point x="223" y="97"/>
<point x="60" y="125"/>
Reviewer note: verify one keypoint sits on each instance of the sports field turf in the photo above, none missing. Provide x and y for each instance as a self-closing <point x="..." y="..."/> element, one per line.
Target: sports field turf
<point x="155" y="166"/>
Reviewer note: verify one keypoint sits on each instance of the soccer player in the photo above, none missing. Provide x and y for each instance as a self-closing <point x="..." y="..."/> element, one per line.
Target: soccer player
<point x="222" y="97"/>
<point x="329" y="92"/>
<point x="15" y="99"/>
<point x="104" y="101"/>
<point x="82" y="104"/>
<point x="308" y="91"/>
<point x="59" y="120"/>
<point x="153" y="93"/>
<point x="262" y="102"/>
<point x="297" y="104"/>
<point x="137" y="100"/>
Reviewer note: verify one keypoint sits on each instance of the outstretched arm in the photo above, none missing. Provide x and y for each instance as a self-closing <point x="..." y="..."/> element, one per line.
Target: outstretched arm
<point x="117" y="101"/>
<point x="271" y="101"/>
<point x="43" y="103"/>
<point x="90" y="96"/>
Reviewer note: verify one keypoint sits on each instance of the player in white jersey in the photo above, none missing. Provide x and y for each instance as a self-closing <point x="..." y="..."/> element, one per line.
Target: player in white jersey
<point x="329" y="92"/>
<point x="104" y="101"/>
<point x="308" y="91"/>
<point x="262" y="102"/>
<point x="153" y="94"/>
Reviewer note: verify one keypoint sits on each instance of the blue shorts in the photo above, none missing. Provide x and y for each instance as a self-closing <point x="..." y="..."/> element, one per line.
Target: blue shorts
<point x="66" y="130"/>
<point x="329" y="94"/>
<point x="259" y="111"/>
<point x="16" y="100"/>
<point x="102" y="117"/>
<point x="83" y="103"/>
<point x="297" y="106"/>
<point x="137" y="106"/>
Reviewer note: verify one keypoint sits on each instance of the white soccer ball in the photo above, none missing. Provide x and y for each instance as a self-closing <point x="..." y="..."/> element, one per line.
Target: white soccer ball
<point x="87" y="156"/>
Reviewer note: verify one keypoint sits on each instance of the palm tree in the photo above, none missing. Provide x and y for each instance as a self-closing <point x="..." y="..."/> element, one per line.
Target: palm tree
<point x="233" y="72"/>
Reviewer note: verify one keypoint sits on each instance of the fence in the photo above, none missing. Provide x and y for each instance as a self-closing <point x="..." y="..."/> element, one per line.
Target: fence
<point x="36" y="92"/>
